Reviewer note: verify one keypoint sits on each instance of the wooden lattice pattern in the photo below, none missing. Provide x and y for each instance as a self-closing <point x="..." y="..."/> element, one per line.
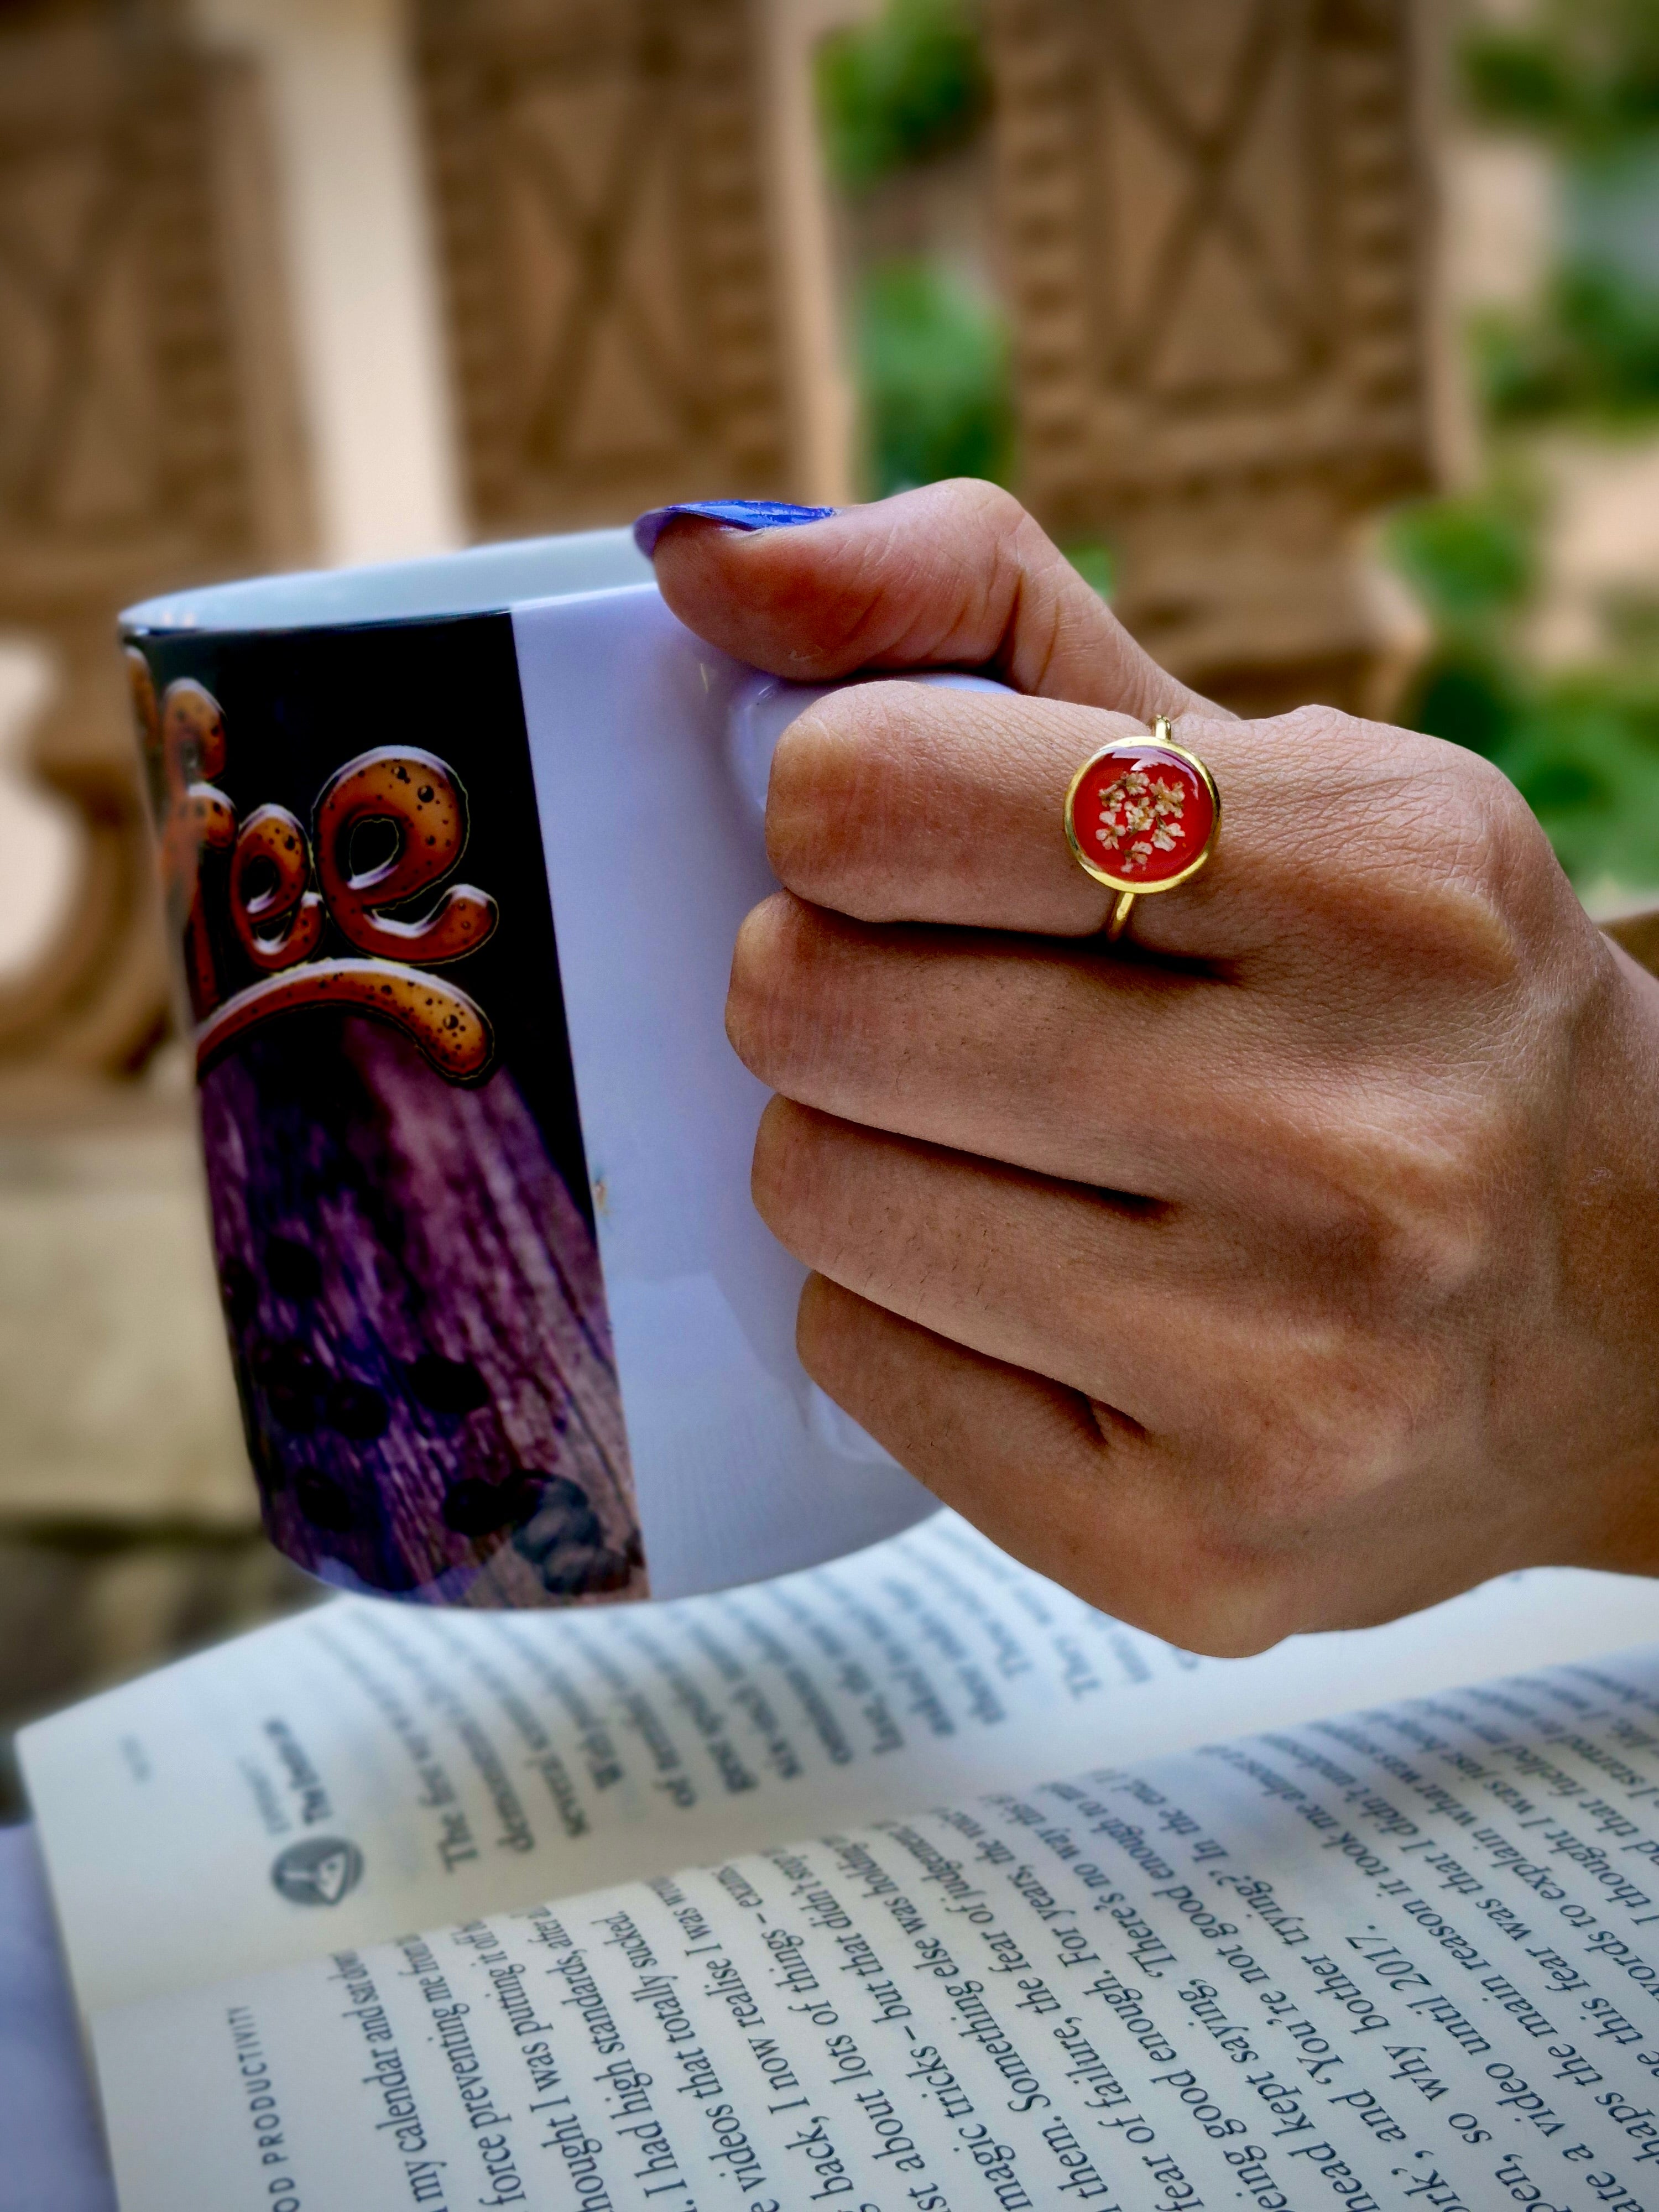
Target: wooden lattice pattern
<point x="131" y="457"/>
<point x="610" y="270"/>
<point x="1215" y="222"/>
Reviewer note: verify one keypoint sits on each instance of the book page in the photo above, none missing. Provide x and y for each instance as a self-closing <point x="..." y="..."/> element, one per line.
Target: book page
<point x="366" y="1768"/>
<point x="1406" y="1960"/>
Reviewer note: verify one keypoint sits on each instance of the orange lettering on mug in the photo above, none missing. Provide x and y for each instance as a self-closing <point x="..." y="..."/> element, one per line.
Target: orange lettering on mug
<point x="184" y="735"/>
<point x="277" y="919"/>
<point x="412" y="796"/>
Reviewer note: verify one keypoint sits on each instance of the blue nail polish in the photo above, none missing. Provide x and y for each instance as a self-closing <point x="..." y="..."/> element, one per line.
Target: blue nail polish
<point x="735" y="513"/>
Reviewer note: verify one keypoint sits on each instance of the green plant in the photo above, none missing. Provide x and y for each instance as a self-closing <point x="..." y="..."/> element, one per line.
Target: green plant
<point x="932" y="361"/>
<point x="1591" y="352"/>
<point x="1583" y="76"/>
<point x="1584" y="73"/>
<point x="1581" y="745"/>
<point x="1582" y="748"/>
<point x="1470" y="562"/>
<point x="1585" y="753"/>
<point x="1094" y="562"/>
<point x="911" y="85"/>
<point x="1471" y="559"/>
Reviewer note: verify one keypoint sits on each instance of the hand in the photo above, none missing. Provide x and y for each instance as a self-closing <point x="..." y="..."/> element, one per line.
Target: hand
<point x="1290" y="1266"/>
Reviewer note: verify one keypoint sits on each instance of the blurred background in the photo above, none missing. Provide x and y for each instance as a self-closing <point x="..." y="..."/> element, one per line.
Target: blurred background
<point x="1323" y="334"/>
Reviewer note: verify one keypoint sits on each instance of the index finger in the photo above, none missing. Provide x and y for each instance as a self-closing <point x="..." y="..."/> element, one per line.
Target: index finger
<point x="955" y="575"/>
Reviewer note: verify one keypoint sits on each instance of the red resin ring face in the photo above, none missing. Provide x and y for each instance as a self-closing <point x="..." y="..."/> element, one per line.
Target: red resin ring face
<point x="1141" y="816"/>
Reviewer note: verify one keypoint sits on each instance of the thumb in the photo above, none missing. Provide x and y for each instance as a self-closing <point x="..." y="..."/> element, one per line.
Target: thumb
<point x="954" y="575"/>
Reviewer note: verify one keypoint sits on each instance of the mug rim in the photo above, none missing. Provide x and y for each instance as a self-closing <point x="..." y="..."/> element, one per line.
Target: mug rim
<point x="475" y="579"/>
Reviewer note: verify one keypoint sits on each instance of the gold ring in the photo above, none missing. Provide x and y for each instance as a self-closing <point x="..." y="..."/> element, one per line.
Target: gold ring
<point x="1142" y="815"/>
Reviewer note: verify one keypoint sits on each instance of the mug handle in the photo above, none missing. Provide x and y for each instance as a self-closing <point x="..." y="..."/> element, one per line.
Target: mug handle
<point x="762" y="708"/>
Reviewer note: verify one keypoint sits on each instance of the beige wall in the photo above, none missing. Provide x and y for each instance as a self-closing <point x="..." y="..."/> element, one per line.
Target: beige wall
<point x="360" y="275"/>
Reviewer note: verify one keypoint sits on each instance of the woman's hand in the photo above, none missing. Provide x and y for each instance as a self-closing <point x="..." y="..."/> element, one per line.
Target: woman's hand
<point x="1291" y="1265"/>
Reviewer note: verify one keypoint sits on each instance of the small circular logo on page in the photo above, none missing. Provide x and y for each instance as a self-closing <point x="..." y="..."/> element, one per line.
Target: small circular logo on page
<point x="321" y="1870"/>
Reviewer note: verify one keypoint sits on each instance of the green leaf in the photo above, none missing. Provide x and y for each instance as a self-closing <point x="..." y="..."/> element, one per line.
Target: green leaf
<point x="1583" y="72"/>
<point x="1470" y="560"/>
<point x="909" y="86"/>
<point x="934" y="379"/>
<point x="1096" y="563"/>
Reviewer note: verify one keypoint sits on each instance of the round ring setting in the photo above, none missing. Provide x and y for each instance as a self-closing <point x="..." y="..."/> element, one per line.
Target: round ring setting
<point x="1142" y="815"/>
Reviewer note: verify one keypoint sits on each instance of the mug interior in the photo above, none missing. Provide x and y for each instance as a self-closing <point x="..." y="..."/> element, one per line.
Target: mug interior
<point x="483" y="580"/>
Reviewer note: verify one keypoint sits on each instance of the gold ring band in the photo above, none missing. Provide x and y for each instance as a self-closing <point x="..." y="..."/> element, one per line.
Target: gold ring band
<point x="1142" y="816"/>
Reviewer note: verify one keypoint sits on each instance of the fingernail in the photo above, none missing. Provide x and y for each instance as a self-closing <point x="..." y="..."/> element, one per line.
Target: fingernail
<point x="735" y="513"/>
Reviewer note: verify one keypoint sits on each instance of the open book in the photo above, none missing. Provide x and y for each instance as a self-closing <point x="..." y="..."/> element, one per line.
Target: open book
<point x="383" y="1908"/>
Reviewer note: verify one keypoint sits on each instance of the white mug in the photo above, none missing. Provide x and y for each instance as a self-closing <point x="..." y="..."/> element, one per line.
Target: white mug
<point x="454" y="854"/>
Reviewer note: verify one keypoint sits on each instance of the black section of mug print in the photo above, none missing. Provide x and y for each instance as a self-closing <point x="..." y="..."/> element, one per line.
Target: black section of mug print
<point x="298" y="706"/>
<point x="408" y="1264"/>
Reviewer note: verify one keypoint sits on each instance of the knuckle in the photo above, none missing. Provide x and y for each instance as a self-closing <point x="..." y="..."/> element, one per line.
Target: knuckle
<point x="1320" y="725"/>
<point x="1479" y="864"/>
<point x="830" y="799"/>
<point x="1325" y="1411"/>
<point x="998" y="542"/>
<point x="1278" y="1479"/>
<point x="1281" y="1465"/>
<point x="763" y="1001"/>
<point x="1189" y="1551"/>
<point x="987" y="502"/>
<point x="1393" y="1182"/>
<point x="1421" y="1185"/>
<point x="808" y="768"/>
<point x="1351" y="1406"/>
<point x="1225" y="1605"/>
<point x="1442" y="860"/>
<point x="1495" y="841"/>
<point x="828" y="1338"/>
<point x="785" y="1174"/>
<point x="1355" y="1416"/>
<point x="1233" y="1629"/>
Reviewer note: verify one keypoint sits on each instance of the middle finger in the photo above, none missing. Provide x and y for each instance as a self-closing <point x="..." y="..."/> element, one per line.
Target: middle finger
<point x="1017" y="1050"/>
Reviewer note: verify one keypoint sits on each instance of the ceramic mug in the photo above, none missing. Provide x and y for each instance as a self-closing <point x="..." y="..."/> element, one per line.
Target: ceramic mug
<point x="453" y="852"/>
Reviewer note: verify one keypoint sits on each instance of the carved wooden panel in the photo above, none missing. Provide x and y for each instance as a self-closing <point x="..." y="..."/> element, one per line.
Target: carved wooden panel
<point x="145" y="441"/>
<point x="1215" y="225"/>
<point x="613" y="312"/>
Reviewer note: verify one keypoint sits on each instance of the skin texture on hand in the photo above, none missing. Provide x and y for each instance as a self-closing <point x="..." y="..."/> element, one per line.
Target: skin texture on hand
<point x="1290" y="1265"/>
